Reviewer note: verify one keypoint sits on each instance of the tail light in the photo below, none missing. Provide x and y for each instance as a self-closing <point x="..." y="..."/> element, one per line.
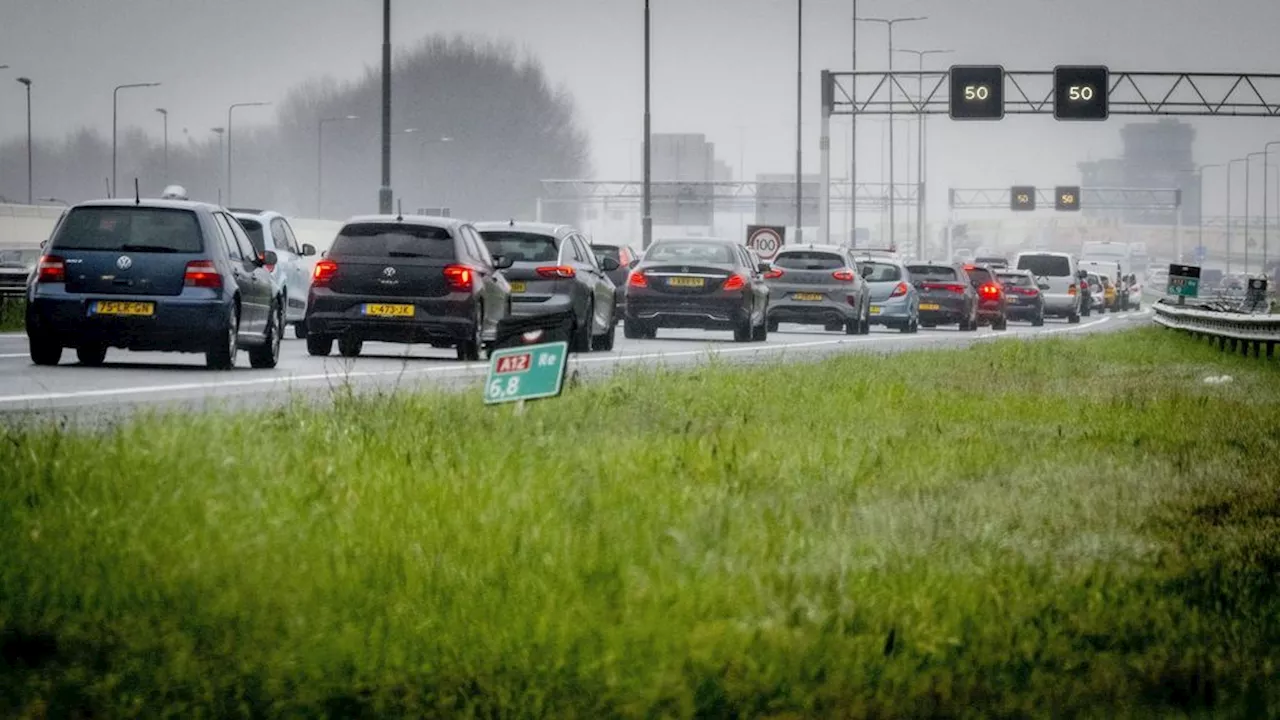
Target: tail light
<point x="51" y="269"/>
<point x="202" y="274"/>
<point x="773" y="274"/>
<point x="843" y="275"/>
<point x="557" y="271"/>
<point x="735" y="282"/>
<point x="262" y="259"/>
<point x="460" y="277"/>
<point x="1071" y="289"/>
<point x="637" y="279"/>
<point x="955" y="288"/>
<point x="900" y="289"/>
<point x="323" y="272"/>
<point x="989" y="290"/>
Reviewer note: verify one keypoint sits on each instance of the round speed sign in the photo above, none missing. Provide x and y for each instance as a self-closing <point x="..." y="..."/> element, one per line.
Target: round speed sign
<point x="765" y="241"/>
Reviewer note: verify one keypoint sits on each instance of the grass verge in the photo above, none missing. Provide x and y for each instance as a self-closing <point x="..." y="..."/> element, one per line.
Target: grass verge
<point x="12" y="314"/>
<point x="1049" y="527"/>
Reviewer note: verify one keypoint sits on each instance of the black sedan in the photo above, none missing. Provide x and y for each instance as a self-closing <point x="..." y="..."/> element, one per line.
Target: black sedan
<point x="1023" y="295"/>
<point x="947" y="295"/>
<point x="705" y="284"/>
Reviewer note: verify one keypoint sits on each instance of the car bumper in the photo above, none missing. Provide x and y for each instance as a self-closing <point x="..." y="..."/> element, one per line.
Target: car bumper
<point x="704" y="314"/>
<point x="176" y="325"/>
<point x="442" y="322"/>
<point x="945" y="311"/>
<point x="1022" y="311"/>
<point x="824" y="312"/>
<point x="893" y="311"/>
<point x="526" y="307"/>
<point x="1061" y="305"/>
<point x="988" y="310"/>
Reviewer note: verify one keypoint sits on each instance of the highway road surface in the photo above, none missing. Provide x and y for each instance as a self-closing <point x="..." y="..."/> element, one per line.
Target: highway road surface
<point x="132" y="380"/>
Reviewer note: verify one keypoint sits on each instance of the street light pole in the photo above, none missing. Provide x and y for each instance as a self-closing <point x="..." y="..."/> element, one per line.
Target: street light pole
<point x="799" y="118"/>
<point x="165" y="114"/>
<point x="385" y="192"/>
<point x="229" y="109"/>
<point x="1200" y="212"/>
<point x="1247" y="166"/>
<point x="320" y="159"/>
<point x="27" y="82"/>
<point x="1266" y="201"/>
<point x="920" y="145"/>
<point x="646" y="201"/>
<point x="1230" y="163"/>
<point x="853" y="134"/>
<point x="219" y="132"/>
<point x="115" y="116"/>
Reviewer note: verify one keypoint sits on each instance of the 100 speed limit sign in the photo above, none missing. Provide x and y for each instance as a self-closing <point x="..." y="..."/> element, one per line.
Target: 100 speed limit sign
<point x="766" y="241"/>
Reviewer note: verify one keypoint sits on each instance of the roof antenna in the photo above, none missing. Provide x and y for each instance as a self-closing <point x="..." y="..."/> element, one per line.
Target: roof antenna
<point x="512" y="223"/>
<point x="400" y="210"/>
<point x="137" y="194"/>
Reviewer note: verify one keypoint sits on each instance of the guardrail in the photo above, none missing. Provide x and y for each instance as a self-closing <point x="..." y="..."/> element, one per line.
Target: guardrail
<point x="1229" y="330"/>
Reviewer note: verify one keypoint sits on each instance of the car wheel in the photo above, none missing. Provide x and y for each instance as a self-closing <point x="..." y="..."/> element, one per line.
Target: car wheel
<point x="773" y="325"/>
<point x="222" y="356"/>
<point x="91" y="355"/>
<point x="267" y="355"/>
<point x="1038" y="320"/>
<point x="633" y="330"/>
<point x="319" y="346"/>
<point x="761" y="332"/>
<point x="743" y="331"/>
<point x="604" y="342"/>
<point x="300" y="330"/>
<point x="915" y="325"/>
<point x="866" y="319"/>
<point x="1001" y="323"/>
<point x="43" y="351"/>
<point x="350" y="347"/>
<point x="1073" y="318"/>
<point x="582" y="331"/>
<point x="469" y="350"/>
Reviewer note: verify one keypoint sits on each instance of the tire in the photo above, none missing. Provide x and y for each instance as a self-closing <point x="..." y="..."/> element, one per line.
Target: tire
<point x="91" y="355"/>
<point x="319" y="345"/>
<point x="773" y="325"/>
<point x="350" y="347"/>
<point x="582" y="331"/>
<point x="222" y="356"/>
<point x="853" y="327"/>
<point x="1002" y="323"/>
<point x="866" y="319"/>
<point x="743" y="331"/>
<point x="44" y="352"/>
<point x="761" y="332"/>
<point x="267" y="355"/>
<point x="1074" y="318"/>
<point x="1038" y="320"/>
<point x="469" y="350"/>
<point x="633" y="330"/>
<point x="604" y="343"/>
<point x="300" y="330"/>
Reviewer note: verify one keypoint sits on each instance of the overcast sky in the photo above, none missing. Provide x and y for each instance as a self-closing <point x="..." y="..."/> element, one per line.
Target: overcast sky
<point x="722" y="67"/>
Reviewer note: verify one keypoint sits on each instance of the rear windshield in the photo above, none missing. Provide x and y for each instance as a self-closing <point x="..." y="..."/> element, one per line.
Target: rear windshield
<point x="394" y="240"/>
<point x="253" y="229"/>
<point x="932" y="272"/>
<point x="998" y="261"/>
<point x="1046" y="265"/>
<point x="809" y="260"/>
<point x="129" y="229"/>
<point x="18" y="258"/>
<point x="882" y="272"/>
<point x="690" y="252"/>
<point x="979" y="275"/>
<point x="607" y="251"/>
<point x="1016" y="280"/>
<point x="522" y="246"/>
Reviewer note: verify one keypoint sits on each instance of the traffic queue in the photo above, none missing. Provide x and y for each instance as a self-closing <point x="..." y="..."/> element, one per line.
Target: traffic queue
<point x="176" y="275"/>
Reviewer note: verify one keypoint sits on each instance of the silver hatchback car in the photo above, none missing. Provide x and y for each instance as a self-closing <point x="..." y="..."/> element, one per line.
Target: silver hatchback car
<point x="818" y="285"/>
<point x="895" y="302"/>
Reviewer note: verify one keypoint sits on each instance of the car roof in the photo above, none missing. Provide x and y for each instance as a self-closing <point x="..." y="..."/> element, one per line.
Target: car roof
<point x="1048" y="253"/>
<point x="419" y="220"/>
<point x="148" y="203"/>
<point x="837" y="249"/>
<point x="554" y="229"/>
<point x="259" y="214"/>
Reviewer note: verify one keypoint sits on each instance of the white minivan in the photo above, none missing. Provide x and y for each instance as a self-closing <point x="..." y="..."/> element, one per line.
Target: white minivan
<point x="1059" y="270"/>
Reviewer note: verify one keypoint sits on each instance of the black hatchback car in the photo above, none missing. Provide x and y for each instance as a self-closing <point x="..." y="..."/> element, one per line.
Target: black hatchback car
<point x="705" y="284"/>
<point x="153" y="275"/>
<point x="405" y="279"/>
<point x="947" y="295"/>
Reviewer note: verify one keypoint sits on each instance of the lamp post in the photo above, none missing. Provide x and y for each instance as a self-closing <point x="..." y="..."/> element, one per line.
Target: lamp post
<point x="320" y="158"/>
<point x="853" y="133"/>
<point x="27" y="82"/>
<point x="219" y="132"/>
<point x="1266" y="201"/>
<point x="1247" y="165"/>
<point x="1230" y="163"/>
<point x="889" y="23"/>
<point x="115" y="117"/>
<point x="229" y="109"/>
<point x="920" y="145"/>
<point x="800" y="119"/>
<point x="385" y="193"/>
<point x="165" y="114"/>
<point x="646" y="194"/>
<point x="1200" y="212"/>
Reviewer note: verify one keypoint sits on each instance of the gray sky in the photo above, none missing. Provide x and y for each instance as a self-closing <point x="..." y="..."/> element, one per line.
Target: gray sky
<point x="723" y="67"/>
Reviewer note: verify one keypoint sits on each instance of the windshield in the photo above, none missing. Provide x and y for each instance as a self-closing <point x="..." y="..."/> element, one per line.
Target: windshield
<point x="1046" y="265"/>
<point x="809" y="260"/>
<point x="522" y="246"/>
<point x="690" y="252"/>
<point x="394" y="240"/>
<point x="129" y="229"/>
<point x="1016" y="280"/>
<point x="882" y="272"/>
<point x="608" y="251"/>
<point x="932" y="272"/>
<point x="253" y="229"/>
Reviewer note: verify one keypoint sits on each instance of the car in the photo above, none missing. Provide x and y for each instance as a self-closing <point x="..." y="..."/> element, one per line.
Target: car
<point x="818" y="285"/>
<point x="1134" y="288"/>
<point x="992" y="261"/>
<point x="1095" y="297"/>
<point x="1059" y="270"/>
<point x="16" y="266"/>
<point x="163" y="275"/>
<point x="553" y="271"/>
<point x="947" y="296"/>
<point x="406" y="279"/>
<point x="626" y="257"/>
<point x="1023" y="299"/>
<point x="697" y="283"/>
<point x="895" y="302"/>
<point x="991" y="297"/>
<point x="1110" y="294"/>
<point x="1158" y="279"/>
<point x="269" y="230"/>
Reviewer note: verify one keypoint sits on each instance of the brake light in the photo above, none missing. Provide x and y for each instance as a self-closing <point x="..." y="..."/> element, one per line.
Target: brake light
<point x="989" y="290"/>
<point x="51" y="269"/>
<point x="735" y="282"/>
<point x="637" y="279"/>
<point x="557" y="271"/>
<point x="773" y="274"/>
<point x="460" y="277"/>
<point x="957" y="289"/>
<point x="202" y="274"/>
<point x="843" y="275"/>
<point x="323" y="272"/>
<point x="900" y="289"/>
<point x="1071" y="289"/>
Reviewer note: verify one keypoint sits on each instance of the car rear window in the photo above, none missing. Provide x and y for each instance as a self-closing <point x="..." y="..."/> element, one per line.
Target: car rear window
<point x="1016" y="280"/>
<point x="809" y="260"/>
<point x="608" y="251"/>
<point x="1046" y="265"/>
<point x="253" y="229"/>
<point x="883" y="272"/>
<point x="394" y="240"/>
<point x="690" y="252"/>
<point x="522" y="246"/>
<point x="932" y="272"/>
<point x="979" y="275"/>
<point x="129" y="229"/>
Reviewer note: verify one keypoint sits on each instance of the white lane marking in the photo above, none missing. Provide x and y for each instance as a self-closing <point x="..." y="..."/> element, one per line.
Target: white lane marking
<point x="10" y="356"/>
<point x="476" y="368"/>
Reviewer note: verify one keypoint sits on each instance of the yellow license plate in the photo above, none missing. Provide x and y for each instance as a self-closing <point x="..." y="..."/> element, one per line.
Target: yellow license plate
<point x="875" y="309"/>
<point x="113" y="307"/>
<point x="378" y="310"/>
<point x="811" y="297"/>
<point x="689" y="282"/>
<point x="930" y="306"/>
<point x="517" y="287"/>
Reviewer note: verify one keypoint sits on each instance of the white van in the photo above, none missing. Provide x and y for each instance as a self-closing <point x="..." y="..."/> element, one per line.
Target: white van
<point x="1061" y="272"/>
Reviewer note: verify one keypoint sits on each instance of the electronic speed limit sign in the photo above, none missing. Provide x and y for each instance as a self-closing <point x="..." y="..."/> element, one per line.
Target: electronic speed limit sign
<point x="765" y="240"/>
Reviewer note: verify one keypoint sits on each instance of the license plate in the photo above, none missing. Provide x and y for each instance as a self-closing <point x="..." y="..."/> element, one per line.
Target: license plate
<point x="930" y="306"/>
<point x="875" y="309"/>
<point x="114" y="307"/>
<point x="517" y="287"/>
<point x="379" y="310"/>
<point x="810" y="297"/>
<point x="689" y="282"/>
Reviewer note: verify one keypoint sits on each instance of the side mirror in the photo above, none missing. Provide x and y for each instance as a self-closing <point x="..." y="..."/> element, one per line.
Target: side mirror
<point x="308" y="250"/>
<point x="608" y="264"/>
<point x="503" y="262"/>
<point x="268" y="258"/>
<point x="43" y="243"/>
<point x="764" y="267"/>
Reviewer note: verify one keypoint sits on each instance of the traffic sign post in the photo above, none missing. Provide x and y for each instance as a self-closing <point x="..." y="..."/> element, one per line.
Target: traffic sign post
<point x="765" y="240"/>
<point x="526" y="373"/>
<point x="1081" y="92"/>
<point x="976" y="92"/>
<point x="1184" y="282"/>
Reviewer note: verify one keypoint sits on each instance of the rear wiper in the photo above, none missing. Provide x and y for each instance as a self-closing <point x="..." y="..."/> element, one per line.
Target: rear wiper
<point x="149" y="248"/>
<point x="406" y="254"/>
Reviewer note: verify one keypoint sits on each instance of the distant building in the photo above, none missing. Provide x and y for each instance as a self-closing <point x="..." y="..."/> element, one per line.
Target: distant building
<point x="1156" y="155"/>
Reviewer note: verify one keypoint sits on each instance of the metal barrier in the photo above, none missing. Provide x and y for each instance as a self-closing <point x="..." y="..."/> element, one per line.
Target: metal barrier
<point x="1228" y="330"/>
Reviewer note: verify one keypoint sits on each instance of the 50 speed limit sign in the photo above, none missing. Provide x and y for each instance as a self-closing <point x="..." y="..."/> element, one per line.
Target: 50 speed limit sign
<point x="766" y="240"/>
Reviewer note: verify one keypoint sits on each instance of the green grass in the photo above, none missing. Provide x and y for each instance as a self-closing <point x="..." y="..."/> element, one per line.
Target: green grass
<point x="12" y="314"/>
<point x="1068" y="526"/>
